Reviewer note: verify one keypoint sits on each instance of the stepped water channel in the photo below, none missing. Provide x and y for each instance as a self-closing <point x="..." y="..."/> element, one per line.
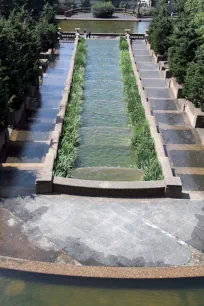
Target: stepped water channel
<point x="105" y="151"/>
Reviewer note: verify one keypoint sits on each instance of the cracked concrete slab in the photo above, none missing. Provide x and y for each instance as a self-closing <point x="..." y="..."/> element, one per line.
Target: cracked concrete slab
<point x="100" y="231"/>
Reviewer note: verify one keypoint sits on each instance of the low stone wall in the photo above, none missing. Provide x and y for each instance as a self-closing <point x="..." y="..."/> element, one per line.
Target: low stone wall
<point x="176" y="88"/>
<point x="108" y="189"/>
<point x="173" y="185"/>
<point x="44" y="180"/>
<point x="195" y="115"/>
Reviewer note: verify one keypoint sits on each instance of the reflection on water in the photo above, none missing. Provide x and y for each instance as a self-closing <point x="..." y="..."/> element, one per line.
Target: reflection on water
<point x="41" y="290"/>
<point x="103" y="26"/>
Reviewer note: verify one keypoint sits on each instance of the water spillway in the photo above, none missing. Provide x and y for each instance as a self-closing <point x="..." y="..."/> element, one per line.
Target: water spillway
<point x="105" y="135"/>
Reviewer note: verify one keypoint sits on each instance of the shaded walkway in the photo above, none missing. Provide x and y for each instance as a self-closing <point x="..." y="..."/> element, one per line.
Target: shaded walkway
<point x="181" y="142"/>
<point x="29" y="142"/>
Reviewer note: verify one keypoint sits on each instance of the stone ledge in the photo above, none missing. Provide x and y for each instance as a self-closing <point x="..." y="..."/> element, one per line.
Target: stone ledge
<point x="176" y="88"/>
<point x="106" y="188"/>
<point x="23" y="265"/>
<point x="44" y="179"/>
<point x="195" y="115"/>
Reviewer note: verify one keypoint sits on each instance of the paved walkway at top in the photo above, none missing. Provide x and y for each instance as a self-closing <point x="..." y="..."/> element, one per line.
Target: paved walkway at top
<point x="29" y="142"/>
<point x="100" y="231"/>
<point x="181" y="142"/>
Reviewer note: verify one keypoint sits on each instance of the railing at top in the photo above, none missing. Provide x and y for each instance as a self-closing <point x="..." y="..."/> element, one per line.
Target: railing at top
<point x="67" y="36"/>
<point x="70" y="36"/>
<point x="137" y="36"/>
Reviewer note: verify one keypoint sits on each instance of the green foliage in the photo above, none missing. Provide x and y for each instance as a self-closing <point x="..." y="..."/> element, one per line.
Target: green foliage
<point x="146" y="158"/>
<point x="19" y="55"/>
<point x="194" y="80"/>
<point x="86" y="3"/>
<point x="69" y="141"/>
<point x="21" y="40"/>
<point x="7" y="6"/>
<point x="46" y="29"/>
<point x="159" y="31"/>
<point x="184" y="43"/>
<point x="123" y="44"/>
<point x="102" y="9"/>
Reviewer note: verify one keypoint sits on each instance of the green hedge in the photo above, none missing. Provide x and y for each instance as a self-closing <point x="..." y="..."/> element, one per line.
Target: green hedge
<point x="102" y="9"/>
<point x="146" y="157"/>
<point x="69" y="140"/>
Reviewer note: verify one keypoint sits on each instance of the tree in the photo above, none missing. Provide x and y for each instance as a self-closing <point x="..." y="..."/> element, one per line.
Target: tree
<point x="194" y="80"/>
<point x="160" y="30"/>
<point x="184" y="43"/>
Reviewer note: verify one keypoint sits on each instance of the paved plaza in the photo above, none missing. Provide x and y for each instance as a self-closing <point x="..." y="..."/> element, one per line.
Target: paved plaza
<point x="101" y="231"/>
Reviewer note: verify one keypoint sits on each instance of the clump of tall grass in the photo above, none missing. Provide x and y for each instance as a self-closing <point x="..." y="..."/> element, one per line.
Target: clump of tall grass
<point x="69" y="140"/>
<point x="146" y="157"/>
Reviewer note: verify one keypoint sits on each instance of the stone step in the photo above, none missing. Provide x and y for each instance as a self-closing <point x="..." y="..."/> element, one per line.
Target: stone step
<point x="147" y="66"/>
<point x="156" y="93"/>
<point x="150" y="74"/>
<point x="30" y="136"/>
<point x="26" y="152"/>
<point x="44" y="115"/>
<point x="185" y="156"/>
<point x="143" y="59"/>
<point x="169" y="118"/>
<point x="192" y="182"/>
<point x="14" y="182"/>
<point x="163" y="104"/>
<point x="191" y="170"/>
<point x="182" y="136"/>
<point x="154" y="83"/>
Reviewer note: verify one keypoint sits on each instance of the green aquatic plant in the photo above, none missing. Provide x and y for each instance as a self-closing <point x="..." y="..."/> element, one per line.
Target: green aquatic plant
<point x="69" y="140"/>
<point x="146" y="157"/>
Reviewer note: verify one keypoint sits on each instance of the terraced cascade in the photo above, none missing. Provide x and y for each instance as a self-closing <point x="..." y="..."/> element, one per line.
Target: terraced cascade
<point x="105" y="136"/>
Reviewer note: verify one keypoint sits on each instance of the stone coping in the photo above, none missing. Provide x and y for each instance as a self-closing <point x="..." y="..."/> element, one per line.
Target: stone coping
<point x="108" y="188"/>
<point x="173" y="184"/>
<point x="23" y="265"/>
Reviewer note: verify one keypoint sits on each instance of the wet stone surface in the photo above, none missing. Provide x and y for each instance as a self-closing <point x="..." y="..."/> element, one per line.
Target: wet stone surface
<point x="192" y="182"/>
<point x="158" y="93"/>
<point x="169" y="118"/>
<point x="154" y="83"/>
<point x="147" y="66"/>
<point x="143" y="59"/>
<point x="110" y="232"/>
<point x="149" y="74"/>
<point x="27" y="153"/>
<point x="159" y="104"/>
<point x="181" y="158"/>
<point x="177" y="136"/>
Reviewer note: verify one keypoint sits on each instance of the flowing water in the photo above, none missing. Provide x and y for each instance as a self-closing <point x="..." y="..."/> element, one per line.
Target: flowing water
<point x="105" y="135"/>
<point x="22" y="289"/>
